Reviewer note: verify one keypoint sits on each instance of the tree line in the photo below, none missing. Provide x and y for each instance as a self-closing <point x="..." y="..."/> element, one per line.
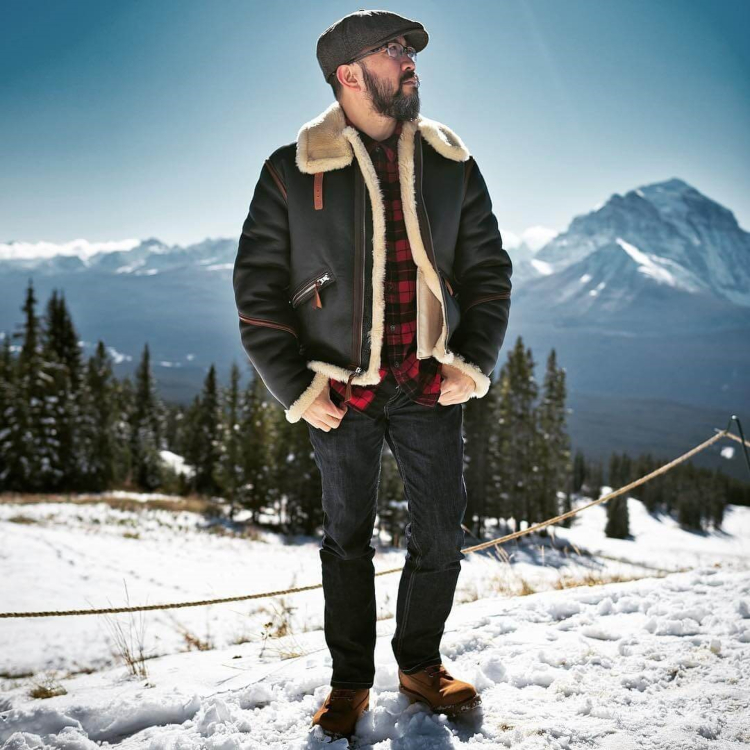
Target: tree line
<point x="70" y="426"/>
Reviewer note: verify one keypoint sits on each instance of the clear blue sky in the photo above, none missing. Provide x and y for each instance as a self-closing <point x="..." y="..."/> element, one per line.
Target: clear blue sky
<point x="152" y="118"/>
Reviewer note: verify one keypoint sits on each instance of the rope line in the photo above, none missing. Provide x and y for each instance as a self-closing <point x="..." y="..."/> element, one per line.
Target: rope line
<point x="476" y="548"/>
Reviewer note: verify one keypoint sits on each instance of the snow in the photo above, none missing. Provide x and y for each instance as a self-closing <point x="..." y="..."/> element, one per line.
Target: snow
<point x="542" y="266"/>
<point x="656" y="662"/>
<point x="537" y="237"/>
<point x="647" y="264"/>
<point x="118" y="357"/>
<point x="176" y="463"/>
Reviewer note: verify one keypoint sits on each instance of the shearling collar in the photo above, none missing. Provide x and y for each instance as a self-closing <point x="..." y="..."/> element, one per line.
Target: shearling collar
<point x="325" y="142"/>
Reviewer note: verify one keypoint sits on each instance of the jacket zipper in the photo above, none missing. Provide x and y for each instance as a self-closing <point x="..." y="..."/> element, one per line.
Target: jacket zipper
<point x="360" y="267"/>
<point x="360" y="249"/>
<point x="268" y="323"/>
<point x="349" y="384"/>
<point x="310" y="288"/>
<point x="423" y="211"/>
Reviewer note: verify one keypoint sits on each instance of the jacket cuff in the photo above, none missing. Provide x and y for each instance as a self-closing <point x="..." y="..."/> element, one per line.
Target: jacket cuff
<point x="481" y="382"/>
<point x="297" y="409"/>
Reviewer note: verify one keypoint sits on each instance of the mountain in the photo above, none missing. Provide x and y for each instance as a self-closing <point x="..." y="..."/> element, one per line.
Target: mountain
<point x="645" y="299"/>
<point x="667" y="234"/>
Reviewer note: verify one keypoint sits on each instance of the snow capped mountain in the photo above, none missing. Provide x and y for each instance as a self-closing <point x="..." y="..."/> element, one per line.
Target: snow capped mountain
<point x="673" y="233"/>
<point x="523" y="251"/>
<point x="137" y="257"/>
<point x="82" y="249"/>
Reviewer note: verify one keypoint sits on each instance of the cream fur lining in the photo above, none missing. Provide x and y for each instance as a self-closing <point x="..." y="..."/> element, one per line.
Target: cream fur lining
<point x="327" y="143"/>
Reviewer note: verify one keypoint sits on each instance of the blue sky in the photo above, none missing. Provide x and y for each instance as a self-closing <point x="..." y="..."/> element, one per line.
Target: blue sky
<point x="152" y="118"/>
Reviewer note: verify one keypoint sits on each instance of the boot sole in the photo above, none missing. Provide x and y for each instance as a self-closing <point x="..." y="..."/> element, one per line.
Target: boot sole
<point x="452" y="709"/>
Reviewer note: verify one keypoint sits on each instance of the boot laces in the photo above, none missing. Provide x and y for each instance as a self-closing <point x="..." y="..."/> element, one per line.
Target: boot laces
<point x="342" y="694"/>
<point x="438" y="669"/>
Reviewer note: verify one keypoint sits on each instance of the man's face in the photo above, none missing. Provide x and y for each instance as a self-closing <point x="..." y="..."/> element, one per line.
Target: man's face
<point x="392" y="84"/>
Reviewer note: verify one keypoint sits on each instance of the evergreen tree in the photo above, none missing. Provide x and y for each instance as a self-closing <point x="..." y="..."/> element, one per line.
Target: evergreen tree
<point x="146" y="429"/>
<point x="502" y="472"/>
<point x="62" y="352"/>
<point x="37" y="448"/>
<point x="229" y="471"/>
<point x="257" y="475"/>
<point x="301" y="480"/>
<point x="579" y="471"/>
<point x="10" y="438"/>
<point x="618" y="523"/>
<point x="98" y="433"/>
<point x="480" y="431"/>
<point x="206" y="454"/>
<point x="523" y="467"/>
<point x="553" y="443"/>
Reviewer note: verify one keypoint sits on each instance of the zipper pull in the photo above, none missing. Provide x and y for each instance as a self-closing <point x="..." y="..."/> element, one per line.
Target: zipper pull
<point x="349" y="388"/>
<point x="318" y="303"/>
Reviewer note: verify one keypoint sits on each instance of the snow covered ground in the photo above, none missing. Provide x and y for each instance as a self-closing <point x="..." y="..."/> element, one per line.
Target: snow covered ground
<point x="658" y="662"/>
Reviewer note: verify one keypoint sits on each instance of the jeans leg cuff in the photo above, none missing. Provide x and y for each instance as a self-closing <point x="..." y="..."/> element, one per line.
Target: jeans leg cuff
<point x="423" y="665"/>
<point x="351" y="685"/>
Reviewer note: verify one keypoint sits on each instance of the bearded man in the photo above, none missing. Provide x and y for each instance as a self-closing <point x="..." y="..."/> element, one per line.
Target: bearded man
<point x="373" y="292"/>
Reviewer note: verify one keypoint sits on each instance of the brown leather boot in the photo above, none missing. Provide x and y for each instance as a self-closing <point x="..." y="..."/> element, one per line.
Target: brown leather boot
<point x="341" y="710"/>
<point x="439" y="690"/>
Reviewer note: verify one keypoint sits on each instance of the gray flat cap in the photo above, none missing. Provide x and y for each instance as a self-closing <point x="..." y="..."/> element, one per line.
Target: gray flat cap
<point x="351" y="34"/>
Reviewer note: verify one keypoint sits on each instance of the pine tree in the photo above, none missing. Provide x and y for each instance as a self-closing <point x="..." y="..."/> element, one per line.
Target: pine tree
<point x="300" y="479"/>
<point x="522" y="394"/>
<point x="480" y="429"/>
<point x="554" y="443"/>
<point x="256" y="481"/>
<point x="208" y="425"/>
<point x="617" y="526"/>
<point x="579" y="471"/>
<point x="99" y="415"/>
<point x="37" y="448"/>
<point x="61" y="351"/>
<point x="9" y="426"/>
<point x="146" y="429"/>
<point x="229" y="471"/>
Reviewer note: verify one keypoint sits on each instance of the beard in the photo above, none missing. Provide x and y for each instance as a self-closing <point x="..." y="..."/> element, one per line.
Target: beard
<point x="403" y="105"/>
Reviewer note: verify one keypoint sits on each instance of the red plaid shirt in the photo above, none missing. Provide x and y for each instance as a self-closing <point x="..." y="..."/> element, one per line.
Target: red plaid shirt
<point x="419" y="378"/>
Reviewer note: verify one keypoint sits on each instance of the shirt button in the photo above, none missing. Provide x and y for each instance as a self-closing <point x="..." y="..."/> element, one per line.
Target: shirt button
<point x="392" y="327"/>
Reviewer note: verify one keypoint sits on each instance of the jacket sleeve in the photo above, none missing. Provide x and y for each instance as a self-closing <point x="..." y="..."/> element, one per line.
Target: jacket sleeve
<point x="483" y="269"/>
<point x="268" y="329"/>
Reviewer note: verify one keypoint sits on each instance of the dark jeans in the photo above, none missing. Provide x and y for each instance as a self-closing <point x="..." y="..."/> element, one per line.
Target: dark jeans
<point x="428" y="445"/>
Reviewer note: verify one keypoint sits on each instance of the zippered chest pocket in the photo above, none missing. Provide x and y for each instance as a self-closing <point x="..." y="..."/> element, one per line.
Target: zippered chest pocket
<point x="311" y="289"/>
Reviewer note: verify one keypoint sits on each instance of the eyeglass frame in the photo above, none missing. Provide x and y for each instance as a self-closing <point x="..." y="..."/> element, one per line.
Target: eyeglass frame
<point x="404" y="49"/>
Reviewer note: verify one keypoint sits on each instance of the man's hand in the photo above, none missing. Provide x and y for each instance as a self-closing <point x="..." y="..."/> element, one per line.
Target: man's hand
<point x="456" y="386"/>
<point x="323" y="413"/>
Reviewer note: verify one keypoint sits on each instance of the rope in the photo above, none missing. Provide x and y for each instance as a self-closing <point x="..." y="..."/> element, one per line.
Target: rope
<point x="476" y="548"/>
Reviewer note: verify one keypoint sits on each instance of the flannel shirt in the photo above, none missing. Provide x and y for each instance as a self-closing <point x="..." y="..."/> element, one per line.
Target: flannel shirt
<point x="419" y="378"/>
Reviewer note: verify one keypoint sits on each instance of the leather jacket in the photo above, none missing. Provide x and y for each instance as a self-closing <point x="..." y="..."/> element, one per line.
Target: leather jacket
<point x="310" y="268"/>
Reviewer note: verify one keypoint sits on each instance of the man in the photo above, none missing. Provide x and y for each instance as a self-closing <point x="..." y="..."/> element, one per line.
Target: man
<point x="374" y="292"/>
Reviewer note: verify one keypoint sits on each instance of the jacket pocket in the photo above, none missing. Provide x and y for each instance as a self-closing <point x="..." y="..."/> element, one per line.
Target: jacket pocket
<point x="311" y="288"/>
<point x="453" y="313"/>
<point x="448" y="284"/>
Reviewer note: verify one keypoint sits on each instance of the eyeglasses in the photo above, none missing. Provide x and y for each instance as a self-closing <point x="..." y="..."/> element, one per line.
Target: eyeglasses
<point x="394" y="49"/>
